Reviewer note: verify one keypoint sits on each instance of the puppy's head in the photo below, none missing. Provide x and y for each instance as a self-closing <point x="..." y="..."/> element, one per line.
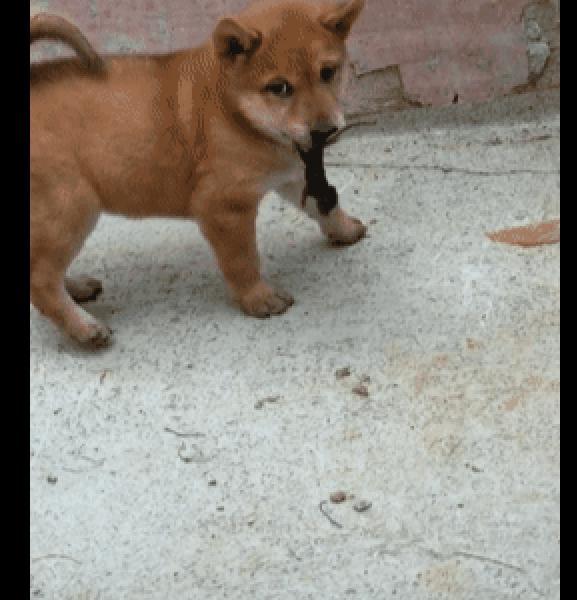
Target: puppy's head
<point x="283" y="64"/>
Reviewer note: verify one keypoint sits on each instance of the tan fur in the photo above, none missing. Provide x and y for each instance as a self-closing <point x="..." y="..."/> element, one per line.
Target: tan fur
<point x="191" y="134"/>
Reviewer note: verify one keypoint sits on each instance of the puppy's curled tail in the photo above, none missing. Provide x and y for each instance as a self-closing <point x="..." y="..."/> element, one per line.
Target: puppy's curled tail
<point x="52" y="27"/>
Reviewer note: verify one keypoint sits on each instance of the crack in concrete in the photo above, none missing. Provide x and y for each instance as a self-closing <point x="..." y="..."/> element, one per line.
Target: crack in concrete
<point x="55" y="556"/>
<point x="443" y="168"/>
<point x="497" y="142"/>
<point x="440" y="556"/>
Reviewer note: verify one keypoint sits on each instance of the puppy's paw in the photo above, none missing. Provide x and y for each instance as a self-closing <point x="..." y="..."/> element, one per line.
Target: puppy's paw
<point x="83" y="289"/>
<point x="263" y="301"/>
<point x="94" y="335"/>
<point x="341" y="229"/>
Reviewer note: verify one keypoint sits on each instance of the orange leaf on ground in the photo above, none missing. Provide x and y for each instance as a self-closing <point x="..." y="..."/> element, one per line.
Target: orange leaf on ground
<point x="548" y="232"/>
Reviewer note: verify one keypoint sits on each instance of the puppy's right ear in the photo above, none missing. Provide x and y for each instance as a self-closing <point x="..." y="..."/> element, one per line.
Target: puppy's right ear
<point x="231" y="39"/>
<point x="340" y="19"/>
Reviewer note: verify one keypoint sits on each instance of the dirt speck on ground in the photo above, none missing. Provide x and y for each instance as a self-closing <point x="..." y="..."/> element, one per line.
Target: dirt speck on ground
<point x="343" y="372"/>
<point x="338" y="497"/>
<point x="361" y="390"/>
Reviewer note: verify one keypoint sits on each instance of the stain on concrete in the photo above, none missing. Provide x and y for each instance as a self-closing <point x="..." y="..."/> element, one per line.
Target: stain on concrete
<point x="446" y="578"/>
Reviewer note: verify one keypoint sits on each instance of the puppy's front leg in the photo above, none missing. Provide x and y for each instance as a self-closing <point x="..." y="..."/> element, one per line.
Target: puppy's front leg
<point x="231" y="231"/>
<point x="335" y="223"/>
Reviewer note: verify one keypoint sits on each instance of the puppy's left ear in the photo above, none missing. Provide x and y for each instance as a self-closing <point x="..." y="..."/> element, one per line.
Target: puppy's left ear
<point x="232" y="39"/>
<point x="340" y="19"/>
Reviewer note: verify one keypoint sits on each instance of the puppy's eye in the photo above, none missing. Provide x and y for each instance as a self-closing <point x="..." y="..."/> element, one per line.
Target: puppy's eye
<point x="281" y="88"/>
<point x="328" y="74"/>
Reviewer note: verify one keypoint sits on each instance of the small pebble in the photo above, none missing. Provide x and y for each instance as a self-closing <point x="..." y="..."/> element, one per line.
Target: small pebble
<point x="362" y="506"/>
<point x="338" y="497"/>
<point x="342" y="373"/>
<point x="361" y="390"/>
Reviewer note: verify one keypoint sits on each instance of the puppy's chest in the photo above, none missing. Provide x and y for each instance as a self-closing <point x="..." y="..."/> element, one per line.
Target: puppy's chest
<point x="291" y="175"/>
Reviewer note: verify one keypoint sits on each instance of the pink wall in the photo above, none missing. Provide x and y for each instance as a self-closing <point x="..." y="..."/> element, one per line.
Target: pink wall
<point x="404" y="52"/>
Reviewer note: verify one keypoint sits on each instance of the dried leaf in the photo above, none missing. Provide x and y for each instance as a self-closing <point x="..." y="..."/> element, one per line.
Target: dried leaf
<point x="548" y="232"/>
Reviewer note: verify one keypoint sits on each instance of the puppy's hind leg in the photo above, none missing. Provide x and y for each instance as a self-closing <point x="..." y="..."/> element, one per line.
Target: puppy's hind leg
<point x="49" y="296"/>
<point x="58" y="228"/>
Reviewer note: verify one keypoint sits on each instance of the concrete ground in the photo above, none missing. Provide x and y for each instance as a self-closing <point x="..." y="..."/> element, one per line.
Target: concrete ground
<point x="190" y="460"/>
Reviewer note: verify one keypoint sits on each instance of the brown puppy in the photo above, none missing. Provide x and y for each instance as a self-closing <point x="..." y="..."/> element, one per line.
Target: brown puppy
<point x="201" y="134"/>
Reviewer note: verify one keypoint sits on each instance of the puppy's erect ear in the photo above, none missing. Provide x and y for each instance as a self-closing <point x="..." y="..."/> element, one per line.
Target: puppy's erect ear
<point x="339" y="19"/>
<point x="232" y="39"/>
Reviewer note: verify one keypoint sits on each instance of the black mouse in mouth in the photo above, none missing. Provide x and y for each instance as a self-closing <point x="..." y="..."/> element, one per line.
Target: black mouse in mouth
<point x="316" y="183"/>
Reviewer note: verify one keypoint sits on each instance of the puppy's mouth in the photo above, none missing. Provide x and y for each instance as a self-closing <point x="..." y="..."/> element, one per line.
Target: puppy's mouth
<point x="319" y="139"/>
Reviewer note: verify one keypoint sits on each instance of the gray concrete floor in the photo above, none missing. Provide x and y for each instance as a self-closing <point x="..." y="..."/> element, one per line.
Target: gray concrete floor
<point x="456" y="445"/>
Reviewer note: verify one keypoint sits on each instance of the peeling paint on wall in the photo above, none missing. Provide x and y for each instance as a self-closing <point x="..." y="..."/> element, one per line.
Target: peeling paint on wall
<point x="403" y="52"/>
